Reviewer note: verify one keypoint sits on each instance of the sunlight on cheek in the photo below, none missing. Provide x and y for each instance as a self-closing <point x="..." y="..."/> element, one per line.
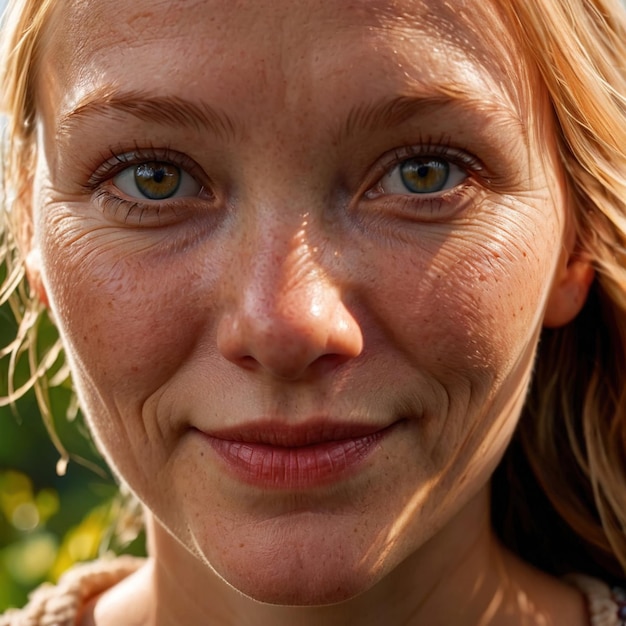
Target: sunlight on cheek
<point x="471" y="462"/>
<point x="384" y="544"/>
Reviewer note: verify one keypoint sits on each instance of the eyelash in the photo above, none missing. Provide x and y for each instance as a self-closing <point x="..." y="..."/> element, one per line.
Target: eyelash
<point x="409" y="203"/>
<point x="441" y="149"/>
<point x="120" y="160"/>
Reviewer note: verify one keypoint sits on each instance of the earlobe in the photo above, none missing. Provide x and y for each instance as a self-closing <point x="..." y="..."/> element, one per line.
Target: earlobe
<point x="569" y="292"/>
<point x="33" y="275"/>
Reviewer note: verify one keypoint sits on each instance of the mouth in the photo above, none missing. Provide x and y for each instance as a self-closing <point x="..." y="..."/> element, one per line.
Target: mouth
<point x="277" y="456"/>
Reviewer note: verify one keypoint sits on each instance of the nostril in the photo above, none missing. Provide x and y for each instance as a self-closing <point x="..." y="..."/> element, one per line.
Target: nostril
<point x="248" y="362"/>
<point x="328" y="363"/>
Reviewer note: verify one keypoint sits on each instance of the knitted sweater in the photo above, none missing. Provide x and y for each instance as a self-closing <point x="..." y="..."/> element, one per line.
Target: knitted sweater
<point x="60" y="605"/>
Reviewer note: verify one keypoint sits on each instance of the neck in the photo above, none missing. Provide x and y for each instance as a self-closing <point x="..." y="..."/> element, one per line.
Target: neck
<point x="462" y="576"/>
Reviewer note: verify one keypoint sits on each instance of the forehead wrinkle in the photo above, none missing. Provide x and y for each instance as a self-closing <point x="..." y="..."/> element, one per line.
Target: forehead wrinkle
<point x="166" y="110"/>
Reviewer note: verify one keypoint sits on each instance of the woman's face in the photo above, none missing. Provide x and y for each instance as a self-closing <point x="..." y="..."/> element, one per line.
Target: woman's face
<point x="299" y="254"/>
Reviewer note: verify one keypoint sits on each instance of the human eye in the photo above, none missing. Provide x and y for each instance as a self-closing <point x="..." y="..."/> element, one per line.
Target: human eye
<point x="156" y="180"/>
<point x="422" y="175"/>
<point x="148" y="187"/>
<point x="424" y="182"/>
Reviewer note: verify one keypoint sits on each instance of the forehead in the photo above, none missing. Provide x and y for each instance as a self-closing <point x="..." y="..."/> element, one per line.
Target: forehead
<point x="185" y="44"/>
<point x="458" y="21"/>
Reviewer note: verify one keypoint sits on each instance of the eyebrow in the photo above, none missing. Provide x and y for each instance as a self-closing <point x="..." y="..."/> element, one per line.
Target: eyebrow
<point x="393" y="112"/>
<point x="164" y="110"/>
<point x="169" y="110"/>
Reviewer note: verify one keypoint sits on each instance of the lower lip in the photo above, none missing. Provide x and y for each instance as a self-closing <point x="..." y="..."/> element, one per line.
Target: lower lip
<point x="302" y="467"/>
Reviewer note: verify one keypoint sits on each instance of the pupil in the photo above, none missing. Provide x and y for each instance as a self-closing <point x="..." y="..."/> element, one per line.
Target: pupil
<point x="156" y="180"/>
<point x="425" y="175"/>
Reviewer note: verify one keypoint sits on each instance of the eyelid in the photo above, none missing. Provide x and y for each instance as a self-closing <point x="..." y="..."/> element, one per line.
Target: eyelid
<point x="440" y="150"/>
<point x="425" y="207"/>
<point x="120" y="207"/>
<point x="123" y="159"/>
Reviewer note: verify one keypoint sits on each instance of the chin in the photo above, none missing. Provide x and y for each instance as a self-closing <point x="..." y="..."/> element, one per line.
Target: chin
<point x="298" y="573"/>
<point x="305" y="589"/>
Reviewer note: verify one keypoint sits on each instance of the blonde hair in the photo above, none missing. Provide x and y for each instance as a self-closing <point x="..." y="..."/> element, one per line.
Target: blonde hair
<point x="23" y="23"/>
<point x="560" y="491"/>
<point x="572" y="434"/>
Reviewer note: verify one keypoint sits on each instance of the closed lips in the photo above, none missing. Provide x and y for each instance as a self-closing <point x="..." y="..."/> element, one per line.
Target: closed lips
<point x="296" y="458"/>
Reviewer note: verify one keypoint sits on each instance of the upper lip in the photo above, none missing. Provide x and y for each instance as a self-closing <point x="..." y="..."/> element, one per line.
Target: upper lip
<point x="283" y="434"/>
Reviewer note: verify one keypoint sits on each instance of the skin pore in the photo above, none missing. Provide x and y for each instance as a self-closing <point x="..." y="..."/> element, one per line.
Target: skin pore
<point x="365" y="228"/>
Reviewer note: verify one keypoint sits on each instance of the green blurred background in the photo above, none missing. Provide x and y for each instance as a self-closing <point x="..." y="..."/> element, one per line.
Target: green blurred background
<point x="49" y="522"/>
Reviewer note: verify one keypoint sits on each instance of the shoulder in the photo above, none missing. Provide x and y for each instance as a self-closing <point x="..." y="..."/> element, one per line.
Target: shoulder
<point x="61" y="604"/>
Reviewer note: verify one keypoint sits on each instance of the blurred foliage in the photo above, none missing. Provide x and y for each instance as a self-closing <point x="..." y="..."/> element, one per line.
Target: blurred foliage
<point x="49" y="521"/>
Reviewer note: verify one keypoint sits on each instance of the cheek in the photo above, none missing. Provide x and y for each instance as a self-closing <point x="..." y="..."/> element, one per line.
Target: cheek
<point x="468" y="301"/>
<point x="128" y="316"/>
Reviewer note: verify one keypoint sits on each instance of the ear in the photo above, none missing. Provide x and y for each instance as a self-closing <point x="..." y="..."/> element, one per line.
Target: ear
<point x="569" y="290"/>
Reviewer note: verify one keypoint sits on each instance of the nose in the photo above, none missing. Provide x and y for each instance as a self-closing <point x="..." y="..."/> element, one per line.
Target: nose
<point x="289" y="317"/>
